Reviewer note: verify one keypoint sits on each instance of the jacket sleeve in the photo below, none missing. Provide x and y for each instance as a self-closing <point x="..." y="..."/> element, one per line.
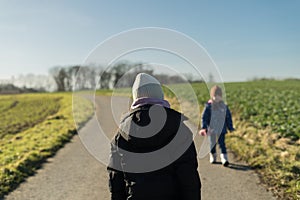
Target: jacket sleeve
<point x="117" y="185"/>
<point x="206" y="116"/>
<point x="229" y="123"/>
<point x="187" y="175"/>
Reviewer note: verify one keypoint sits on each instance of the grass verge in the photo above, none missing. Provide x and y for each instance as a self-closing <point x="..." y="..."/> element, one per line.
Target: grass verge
<point x="275" y="158"/>
<point x="23" y="153"/>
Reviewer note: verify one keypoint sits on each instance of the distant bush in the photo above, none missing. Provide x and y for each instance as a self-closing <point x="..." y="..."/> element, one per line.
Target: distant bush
<point x="12" y="89"/>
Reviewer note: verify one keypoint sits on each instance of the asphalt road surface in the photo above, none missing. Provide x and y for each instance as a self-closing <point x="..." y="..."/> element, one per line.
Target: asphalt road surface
<point x="74" y="174"/>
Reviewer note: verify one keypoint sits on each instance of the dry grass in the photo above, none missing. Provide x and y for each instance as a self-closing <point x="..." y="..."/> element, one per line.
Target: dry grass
<point x="276" y="159"/>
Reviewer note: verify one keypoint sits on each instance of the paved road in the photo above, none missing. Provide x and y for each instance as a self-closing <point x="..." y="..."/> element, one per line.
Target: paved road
<point x="73" y="174"/>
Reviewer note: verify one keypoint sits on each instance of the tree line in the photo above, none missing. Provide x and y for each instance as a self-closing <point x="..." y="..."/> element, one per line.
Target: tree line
<point x="120" y="75"/>
<point x="76" y="77"/>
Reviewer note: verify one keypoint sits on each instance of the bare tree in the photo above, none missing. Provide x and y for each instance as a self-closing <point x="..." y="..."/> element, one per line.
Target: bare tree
<point x="105" y="78"/>
<point x="118" y="70"/>
<point x="129" y="73"/>
<point x="72" y="73"/>
<point x="59" y="75"/>
<point x="84" y="77"/>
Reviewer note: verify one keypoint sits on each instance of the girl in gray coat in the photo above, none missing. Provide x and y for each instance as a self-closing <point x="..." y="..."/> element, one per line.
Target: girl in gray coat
<point x="216" y="119"/>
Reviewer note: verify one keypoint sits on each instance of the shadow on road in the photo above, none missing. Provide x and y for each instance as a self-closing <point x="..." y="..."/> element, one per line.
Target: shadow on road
<point x="236" y="166"/>
<point x="239" y="167"/>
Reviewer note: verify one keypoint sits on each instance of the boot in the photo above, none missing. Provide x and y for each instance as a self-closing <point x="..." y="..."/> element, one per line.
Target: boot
<point x="212" y="158"/>
<point x="224" y="159"/>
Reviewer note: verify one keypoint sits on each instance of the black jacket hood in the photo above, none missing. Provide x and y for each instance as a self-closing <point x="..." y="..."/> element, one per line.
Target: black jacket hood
<point x="150" y="127"/>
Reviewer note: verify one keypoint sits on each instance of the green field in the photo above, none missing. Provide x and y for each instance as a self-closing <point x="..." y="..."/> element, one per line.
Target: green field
<point x="266" y="116"/>
<point x="273" y="104"/>
<point x="23" y="113"/>
<point x="33" y="127"/>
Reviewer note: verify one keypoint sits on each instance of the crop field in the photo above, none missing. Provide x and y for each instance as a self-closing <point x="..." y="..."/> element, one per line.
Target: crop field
<point x="269" y="104"/>
<point x="274" y="104"/>
<point x="266" y="116"/>
<point x="32" y="128"/>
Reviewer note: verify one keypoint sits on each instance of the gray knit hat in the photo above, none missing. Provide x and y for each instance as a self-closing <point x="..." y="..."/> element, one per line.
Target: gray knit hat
<point x="146" y="86"/>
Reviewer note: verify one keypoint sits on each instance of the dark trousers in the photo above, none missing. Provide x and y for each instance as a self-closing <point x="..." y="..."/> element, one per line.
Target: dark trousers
<point x="217" y="138"/>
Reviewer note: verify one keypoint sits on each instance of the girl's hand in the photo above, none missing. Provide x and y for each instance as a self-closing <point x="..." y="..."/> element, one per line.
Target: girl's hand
<point x="203" y="132"/>
<point x="210" y="131"/>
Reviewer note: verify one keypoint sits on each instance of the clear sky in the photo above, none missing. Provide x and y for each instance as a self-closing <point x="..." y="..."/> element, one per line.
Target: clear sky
<point x="244" y="38"/>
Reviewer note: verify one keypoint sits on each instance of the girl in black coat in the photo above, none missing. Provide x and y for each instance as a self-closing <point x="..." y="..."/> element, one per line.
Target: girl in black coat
<point x="153" y="155"/>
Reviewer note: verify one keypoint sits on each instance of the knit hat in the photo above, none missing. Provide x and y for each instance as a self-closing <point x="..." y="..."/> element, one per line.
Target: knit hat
<point x="146" y="86"/>
<point x="215" y="90"/>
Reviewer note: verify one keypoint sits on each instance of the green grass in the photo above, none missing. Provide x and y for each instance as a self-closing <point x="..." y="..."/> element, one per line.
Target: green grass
<point x="115" y="92"/>
<point x="21" y="153"/>
<point x="266" y="116"/>
<point x="19" y="113"/>
<point x="104" y="92"/>
<point x="7" y="103"/>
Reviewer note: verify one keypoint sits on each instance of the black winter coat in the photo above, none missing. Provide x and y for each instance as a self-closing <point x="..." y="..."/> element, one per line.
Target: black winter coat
<point x="132" y="178"/>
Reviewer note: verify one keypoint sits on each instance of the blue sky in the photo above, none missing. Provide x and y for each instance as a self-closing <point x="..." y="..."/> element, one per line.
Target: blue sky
<point x="244" y="38"/>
